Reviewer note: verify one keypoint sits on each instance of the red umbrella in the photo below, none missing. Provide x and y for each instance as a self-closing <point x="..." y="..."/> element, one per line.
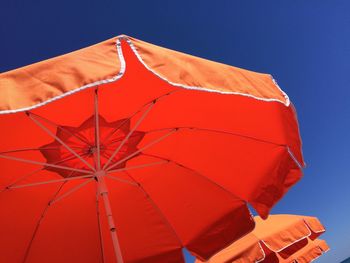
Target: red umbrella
<point x="129" y="151"/>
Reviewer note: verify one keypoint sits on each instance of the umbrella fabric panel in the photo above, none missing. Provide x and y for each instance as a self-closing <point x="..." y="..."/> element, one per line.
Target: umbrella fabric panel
<point x="20" y="211"/>
<point x="143" y="232"/>
<point x="180" y="68"/>
<point x="42" y="81"/>
<point x="38" y="229"/>
<point x="204" y="222"/>
<point x="256" y="172"/>
<point x="280" y="231"/>
<point x="252" y="252"/>
<point x="312" y="252"/>
<point x="69" y="228"/>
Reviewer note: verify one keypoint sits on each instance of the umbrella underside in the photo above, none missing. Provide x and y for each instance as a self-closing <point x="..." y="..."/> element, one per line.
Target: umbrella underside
<point x="137" y="169"/>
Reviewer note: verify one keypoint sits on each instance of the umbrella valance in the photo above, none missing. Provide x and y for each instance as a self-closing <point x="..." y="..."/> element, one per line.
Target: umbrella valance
<point x="104" y="62"/>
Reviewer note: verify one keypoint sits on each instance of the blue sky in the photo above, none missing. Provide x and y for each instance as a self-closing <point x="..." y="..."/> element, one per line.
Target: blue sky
<point x="305" y="45"/>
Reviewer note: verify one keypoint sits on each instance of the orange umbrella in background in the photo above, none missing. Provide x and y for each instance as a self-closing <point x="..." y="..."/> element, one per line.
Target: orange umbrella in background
<point x="280" y="238"/>
<point x="128" y="152"/>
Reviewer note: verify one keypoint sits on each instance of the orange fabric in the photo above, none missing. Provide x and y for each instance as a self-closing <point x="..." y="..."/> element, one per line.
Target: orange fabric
<point x="313" y="250"/>
<point x="279" y="231"/>
<point x="244" y="250"/>
<point x="223" y="151"/>
<point x="188" y="70"/>
<point x="39" y="82"/>
<point x="280" y="238"/>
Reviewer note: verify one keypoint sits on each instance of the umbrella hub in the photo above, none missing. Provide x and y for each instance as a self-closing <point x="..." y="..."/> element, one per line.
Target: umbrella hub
<point x="77" y="147"/>
<point x="100" y="173"/>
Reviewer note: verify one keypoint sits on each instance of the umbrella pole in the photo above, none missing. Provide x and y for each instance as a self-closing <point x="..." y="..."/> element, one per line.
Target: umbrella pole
<point x="102" y="187"/>
<point x="104" y="193"/>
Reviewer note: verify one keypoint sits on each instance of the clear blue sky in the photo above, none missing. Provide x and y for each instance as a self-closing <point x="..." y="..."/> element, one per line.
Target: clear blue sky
<point x="305" y="44"/>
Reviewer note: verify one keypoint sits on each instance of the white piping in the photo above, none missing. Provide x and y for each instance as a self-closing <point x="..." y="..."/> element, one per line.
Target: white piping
<point x="291" y="154"/>
<point x="310" y="232"/>
<point x="122" y="71"/>
<point x="263" y="252"/>
<point x="96" y="83"/>
<point x="277" y="251"/>
<point x="134" y="49"/>
<point x="319" y="231"/>
<point x="284" y="94"/>
<point x="322" y="252"/>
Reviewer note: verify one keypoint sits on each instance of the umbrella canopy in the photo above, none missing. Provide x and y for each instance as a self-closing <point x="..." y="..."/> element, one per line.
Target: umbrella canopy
<point x="280" y="238"/>
<point x="131" y="151"/>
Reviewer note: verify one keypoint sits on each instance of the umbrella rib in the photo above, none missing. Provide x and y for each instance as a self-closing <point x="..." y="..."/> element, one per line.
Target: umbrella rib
<point x="99" y="224"/>
<point x="116" y="178"/>
<point x="118" y="140"/>
<point x="51" y="181"/>
<point x="33" y="149"/>
<point x="43" y="164"/>
<point x="143" y="148"/>
<point x="195" y="172"/>
<point x="140" y="109"/>
<point x="58" y="139"/>
<point x="137" y="166"/>
<point x="38" y="225"/>
<point x="41" y="219"/>
<point x="20" y="179"/>
<point x="156" y="207"/>
<point x="121" y="180"/>
<point x="71" y="191"/>
<point x="129" y="134"/>
<point x="63" y="129"/>
<point x="217" y="131"/>
<point x="118" y="127"/>
<point x="97" y="132"/>
<point x="33" y="172"/>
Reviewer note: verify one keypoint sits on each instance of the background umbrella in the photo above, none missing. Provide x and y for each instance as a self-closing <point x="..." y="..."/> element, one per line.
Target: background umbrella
<point x="280" y="238"/>
<point x="166" y="157"/>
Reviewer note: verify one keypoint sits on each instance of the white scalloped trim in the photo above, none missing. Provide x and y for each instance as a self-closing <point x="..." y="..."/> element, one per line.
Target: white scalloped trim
<point x="122" y="71"/>
<point x="90" y="85"/>
<point x="296" y="241"/>
<point x="263" y="252"/>
<point x="134" y="49"/>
